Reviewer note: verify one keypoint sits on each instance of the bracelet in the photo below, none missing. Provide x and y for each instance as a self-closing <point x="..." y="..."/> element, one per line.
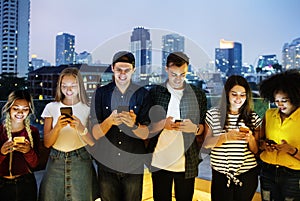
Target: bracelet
<point x="293" y="154"/>
<point x="85" y="131"/>
<point x="197" y="130"/>
<point x="225" y="134"/>
<point x="134" y="127"/>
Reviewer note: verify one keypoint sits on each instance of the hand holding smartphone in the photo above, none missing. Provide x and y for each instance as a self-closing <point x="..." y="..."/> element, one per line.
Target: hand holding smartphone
<point x="178" y="120"/>
<point x="67" y="112"/>
<point x="244" y="129"/>
<point x="20" y="139"/>
<point x="270" y="142"/>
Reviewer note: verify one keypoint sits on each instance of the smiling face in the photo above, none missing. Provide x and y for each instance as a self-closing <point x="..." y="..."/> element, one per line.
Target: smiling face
<point x="283" y="103"/>
<point x="69" y="87"/>
<point x="122" y="73"/>
<point x="19" y="110"/>
<point x="176" y="75"/>
<point x="237" y="97"/>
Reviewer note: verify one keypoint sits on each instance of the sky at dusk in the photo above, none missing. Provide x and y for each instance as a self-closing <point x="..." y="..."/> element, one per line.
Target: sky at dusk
<point x="262" y="26"/>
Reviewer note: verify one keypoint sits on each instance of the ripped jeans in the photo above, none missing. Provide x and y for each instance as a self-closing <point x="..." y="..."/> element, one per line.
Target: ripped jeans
<point x="279" y="183"/>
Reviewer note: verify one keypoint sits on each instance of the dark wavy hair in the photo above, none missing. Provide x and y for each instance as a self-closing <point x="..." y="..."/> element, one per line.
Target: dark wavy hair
<point x="246" y="109"/>
<point x="287" y="82"/>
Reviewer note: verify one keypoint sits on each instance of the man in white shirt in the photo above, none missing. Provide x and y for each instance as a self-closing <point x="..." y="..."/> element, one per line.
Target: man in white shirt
<point x="175" y="149"/>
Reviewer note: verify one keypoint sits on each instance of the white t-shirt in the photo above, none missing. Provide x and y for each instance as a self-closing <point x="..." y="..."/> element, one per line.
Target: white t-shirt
<point x="68" y="138"/>
<point x="169" y="151"/>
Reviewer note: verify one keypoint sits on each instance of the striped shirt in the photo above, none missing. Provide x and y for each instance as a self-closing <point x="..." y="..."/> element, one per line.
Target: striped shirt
<point x="232" y="157"/>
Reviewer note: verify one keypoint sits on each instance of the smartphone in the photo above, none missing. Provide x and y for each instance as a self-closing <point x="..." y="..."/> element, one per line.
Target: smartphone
<point x="20" y="139"/>
<point x="122" y="108"/>
<point x="67" y="111"/>
<point x="178" y="120"/>
<point x="270" y="142"/>
<point x="244" y="129"/>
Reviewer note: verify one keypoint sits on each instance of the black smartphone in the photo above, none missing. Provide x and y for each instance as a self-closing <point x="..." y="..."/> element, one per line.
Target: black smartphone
<point x="122" y="108"/>
<point x="270" y="142"/>
<point x="178" y="120"/>
<point x="67" y="111"/>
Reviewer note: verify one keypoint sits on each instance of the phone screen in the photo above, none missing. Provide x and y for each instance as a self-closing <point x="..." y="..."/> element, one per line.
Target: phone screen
<point x="122" y="108"/>
<point x="270" y="142"/>
<point x="67" y="111"/>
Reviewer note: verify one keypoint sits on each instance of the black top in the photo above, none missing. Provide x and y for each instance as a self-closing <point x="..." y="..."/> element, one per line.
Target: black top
<point x="120" y="150"/>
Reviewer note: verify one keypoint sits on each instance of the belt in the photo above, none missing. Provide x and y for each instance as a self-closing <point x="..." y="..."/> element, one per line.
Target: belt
<point x="279" y="168"/>
<point x="61" y="154"/>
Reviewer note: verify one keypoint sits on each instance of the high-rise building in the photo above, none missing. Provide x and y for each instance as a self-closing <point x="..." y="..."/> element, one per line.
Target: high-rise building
<point x="65" y="49"/>
<point x="266" y="61"/>
<point x="14" y="37"/>
<point x="37" y="62"/>
<point x="84" y="58"/>
<point x="228" y="57"/>
<point x="170" y="43"/>
<point x="141" y="47"/>
<point x="291" y="55"/>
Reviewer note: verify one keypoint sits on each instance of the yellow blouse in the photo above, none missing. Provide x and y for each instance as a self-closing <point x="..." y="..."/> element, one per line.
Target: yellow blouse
<point x="288" y="130"/>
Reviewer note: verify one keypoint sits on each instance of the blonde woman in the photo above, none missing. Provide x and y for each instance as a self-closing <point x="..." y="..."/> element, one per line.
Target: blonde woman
<point x="19" y="149"/>
<point x="70" y="174"/>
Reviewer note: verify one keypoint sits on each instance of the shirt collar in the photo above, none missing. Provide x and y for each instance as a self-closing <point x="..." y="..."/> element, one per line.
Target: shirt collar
<point x="294" y="116"/>
<point x="164" y="89"/>
<point x="131" y="88"/>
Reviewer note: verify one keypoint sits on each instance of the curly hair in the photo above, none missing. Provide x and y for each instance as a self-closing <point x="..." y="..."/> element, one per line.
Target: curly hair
<point x="13" y="96"/>
<point x="287" y="82"/>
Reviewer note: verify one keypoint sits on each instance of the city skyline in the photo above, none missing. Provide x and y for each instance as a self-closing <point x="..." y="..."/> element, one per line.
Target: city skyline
<point x="261" y="26"/>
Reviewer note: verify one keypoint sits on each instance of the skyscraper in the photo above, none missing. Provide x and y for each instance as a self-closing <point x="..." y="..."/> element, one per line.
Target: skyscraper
<point x="65" y="49"/>
<point x="14" y="37"/>
<point x="291" y="55"/>
<point x="170" y="43"/>
<point x="84" y="58"/>
<point x="229" y="57"/>
<point x="141" y="47"/>
<point x="266" y="61"/>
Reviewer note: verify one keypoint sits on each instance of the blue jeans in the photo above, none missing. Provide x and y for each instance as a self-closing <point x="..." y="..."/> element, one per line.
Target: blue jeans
<point x="279" y="183"/>
<point x="120" y="186"/>
<point x="21" y="188"/>
<point x="69" y="176"/>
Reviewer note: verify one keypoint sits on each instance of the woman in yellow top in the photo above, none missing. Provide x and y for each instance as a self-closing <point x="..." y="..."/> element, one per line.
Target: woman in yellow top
<point x="280" y="173"/>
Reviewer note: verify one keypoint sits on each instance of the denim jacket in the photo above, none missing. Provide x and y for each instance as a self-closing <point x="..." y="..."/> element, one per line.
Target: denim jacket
<point x="120" y="149"/>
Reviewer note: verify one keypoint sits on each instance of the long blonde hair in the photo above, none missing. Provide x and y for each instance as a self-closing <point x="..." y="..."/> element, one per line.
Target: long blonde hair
<point x="13" y="96"/>
<point x="59" y="96"/>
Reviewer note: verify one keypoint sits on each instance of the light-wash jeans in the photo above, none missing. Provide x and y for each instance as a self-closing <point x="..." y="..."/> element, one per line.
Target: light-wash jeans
<point x="69" y="176"/>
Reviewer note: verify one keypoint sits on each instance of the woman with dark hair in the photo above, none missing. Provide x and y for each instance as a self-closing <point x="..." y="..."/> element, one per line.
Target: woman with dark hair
<point x="230" y="133"/>
<point x="19" y="143"/>
<point x="280" y="173"/>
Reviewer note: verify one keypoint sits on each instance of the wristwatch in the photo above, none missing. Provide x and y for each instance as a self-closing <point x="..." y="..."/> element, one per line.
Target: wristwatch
<point x="85" y="131"/>
<point x="135" y="127"/>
